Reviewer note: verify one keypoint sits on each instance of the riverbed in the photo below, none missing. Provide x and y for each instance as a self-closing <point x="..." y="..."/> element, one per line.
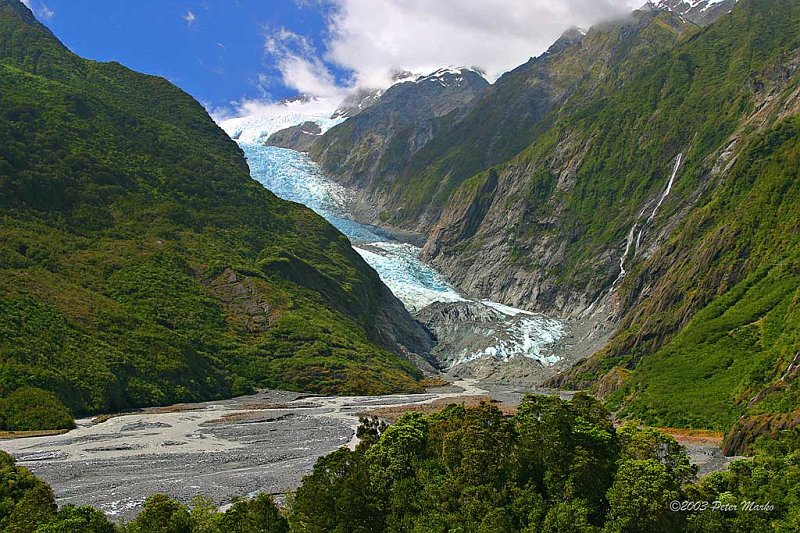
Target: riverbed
<point x="265" y="442"/>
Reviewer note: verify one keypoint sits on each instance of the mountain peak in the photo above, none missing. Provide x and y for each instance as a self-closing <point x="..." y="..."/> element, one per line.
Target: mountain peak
<point x="452" y="76"/>
<point x="700" y="12"/>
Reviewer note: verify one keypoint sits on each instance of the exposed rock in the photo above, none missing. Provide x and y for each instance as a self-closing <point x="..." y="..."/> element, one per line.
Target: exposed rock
<point x="700" y="12"/>
<point x="140" y="426"/>
<point x="380" y="139"/>
<point x="299" y="137"/>
<point x="478" y="340"/>
<point x="741" y="437"/>
<point x="245" y="297"/>
<point x="610" y="382"/>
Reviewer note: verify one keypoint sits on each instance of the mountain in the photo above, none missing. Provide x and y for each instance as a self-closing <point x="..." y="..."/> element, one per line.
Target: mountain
<point x="700" y="12"/>
<point x="362" y="98"/>
<point x="366" y="150"/>
<point x="140" y="264"/>
<point x="641" y="180"/>
<point x="496" y="125"/>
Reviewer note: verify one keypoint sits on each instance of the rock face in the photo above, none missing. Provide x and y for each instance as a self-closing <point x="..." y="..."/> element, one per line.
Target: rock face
<point x="470" y="210"/>
<point x="637" y="178"/>
<point x="368" y="149"/>
<point x="700" y="12"/>
<point x="299" y="137"/>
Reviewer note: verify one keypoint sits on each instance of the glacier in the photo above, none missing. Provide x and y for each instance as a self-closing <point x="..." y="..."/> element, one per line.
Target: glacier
<point x="293" y="176"/>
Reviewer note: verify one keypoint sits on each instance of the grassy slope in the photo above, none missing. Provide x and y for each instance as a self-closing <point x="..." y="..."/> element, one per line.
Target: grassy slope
<point x="139" y="262"/>
<point x="743" y="341"/>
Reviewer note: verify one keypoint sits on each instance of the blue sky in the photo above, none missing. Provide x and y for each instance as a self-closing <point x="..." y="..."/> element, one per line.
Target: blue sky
<point x="240" y="56"/>
<point x="214" y="49"/>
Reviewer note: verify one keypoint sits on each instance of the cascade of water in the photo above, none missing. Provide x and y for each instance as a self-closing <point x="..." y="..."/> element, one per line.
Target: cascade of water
<point x="629" y="241"/>
<point x="669" y="187"/>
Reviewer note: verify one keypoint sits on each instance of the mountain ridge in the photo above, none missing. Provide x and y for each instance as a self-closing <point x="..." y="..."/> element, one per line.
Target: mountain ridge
<point x="600" y="216"/>
<point x="142" y="265"/>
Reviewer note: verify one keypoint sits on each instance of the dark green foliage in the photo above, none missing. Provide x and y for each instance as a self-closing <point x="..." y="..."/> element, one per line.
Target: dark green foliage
<point x="161" y="514"/>
<point x="550" y="465"/>
<point x="25" y="501"/>
<point x="473" y="470"/>
<point x="30" y="408"/>
<point x="253" y="516"/>
<point x="141" y="265"/>
<point x="71" y="519"/>
<point x="772" y="477"/>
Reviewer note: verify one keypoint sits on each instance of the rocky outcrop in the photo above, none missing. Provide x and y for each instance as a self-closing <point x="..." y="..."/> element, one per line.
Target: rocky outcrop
<point x="742" y="436"/>
<point x="368" y="150"/>
<point x="700" y="12"/>
<point x="299" y="137"/>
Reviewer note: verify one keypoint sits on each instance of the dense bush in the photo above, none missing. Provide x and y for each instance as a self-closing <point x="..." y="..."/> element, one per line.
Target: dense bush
<point x="142" y="265"/>
<point x="554" y="466"/>
<point x="30" y="408"/>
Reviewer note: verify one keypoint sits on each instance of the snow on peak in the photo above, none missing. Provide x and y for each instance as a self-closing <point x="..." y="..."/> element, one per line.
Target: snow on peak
<point x="262" y="120"/>
<point x="682" y="7"/>
<point x="447" y="76"/>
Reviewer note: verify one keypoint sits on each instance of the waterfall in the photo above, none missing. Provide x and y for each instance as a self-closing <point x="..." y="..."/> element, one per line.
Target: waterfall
<point x="629" y="241"/>
<point x="669" y="187"/>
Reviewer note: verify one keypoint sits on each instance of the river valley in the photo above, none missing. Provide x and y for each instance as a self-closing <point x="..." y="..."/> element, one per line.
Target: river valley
<point x="221" y="450"/>
<point x="270" y="440"/>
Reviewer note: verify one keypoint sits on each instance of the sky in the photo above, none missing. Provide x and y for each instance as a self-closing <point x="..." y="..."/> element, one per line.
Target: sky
<point x="238" y="57"/>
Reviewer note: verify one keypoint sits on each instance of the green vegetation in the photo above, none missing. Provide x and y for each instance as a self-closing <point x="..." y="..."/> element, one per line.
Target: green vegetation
<point x="141" y="265"/>
<point x="709" y="306"/>
<point x="555" y="467"/>
<point x="720" y="328"/>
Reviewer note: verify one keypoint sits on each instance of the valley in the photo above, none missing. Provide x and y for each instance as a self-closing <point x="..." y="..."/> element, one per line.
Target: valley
<point x="560" y="295"/>
<point x="259" y="443"/>
<point x="474" y="336"/>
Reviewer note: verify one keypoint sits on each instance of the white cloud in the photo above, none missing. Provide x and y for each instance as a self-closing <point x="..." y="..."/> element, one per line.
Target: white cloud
<point x="375" y="37"/>
<point x="39" y="9"/>
<point x="189" y="17"/>
<point x="298" y="64"/>
<point x="45" y="12"/>
<point x="372" y="39"/>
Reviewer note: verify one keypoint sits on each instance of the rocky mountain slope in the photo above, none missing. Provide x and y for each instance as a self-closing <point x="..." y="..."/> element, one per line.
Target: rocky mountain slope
<point x="142" y="265"/>
<point x="640" y="177"/>
<point x="700" y="12"/>
<point x="367" y="149"/>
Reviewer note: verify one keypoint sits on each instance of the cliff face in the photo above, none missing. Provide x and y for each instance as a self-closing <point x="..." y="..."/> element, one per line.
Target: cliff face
<point x="648" y="187"/>
<point x="370" y="150"/>
<point x="658" y="203"/>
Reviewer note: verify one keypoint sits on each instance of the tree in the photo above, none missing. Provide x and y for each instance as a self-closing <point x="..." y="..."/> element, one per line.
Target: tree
<point x="25" y="501"/>
<point x="336" y="497"/>
<point x="161" y="514"/>
<point x="84" y="519"/>
<point x="258" y="514"/>
<point x="640" y="499"/>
